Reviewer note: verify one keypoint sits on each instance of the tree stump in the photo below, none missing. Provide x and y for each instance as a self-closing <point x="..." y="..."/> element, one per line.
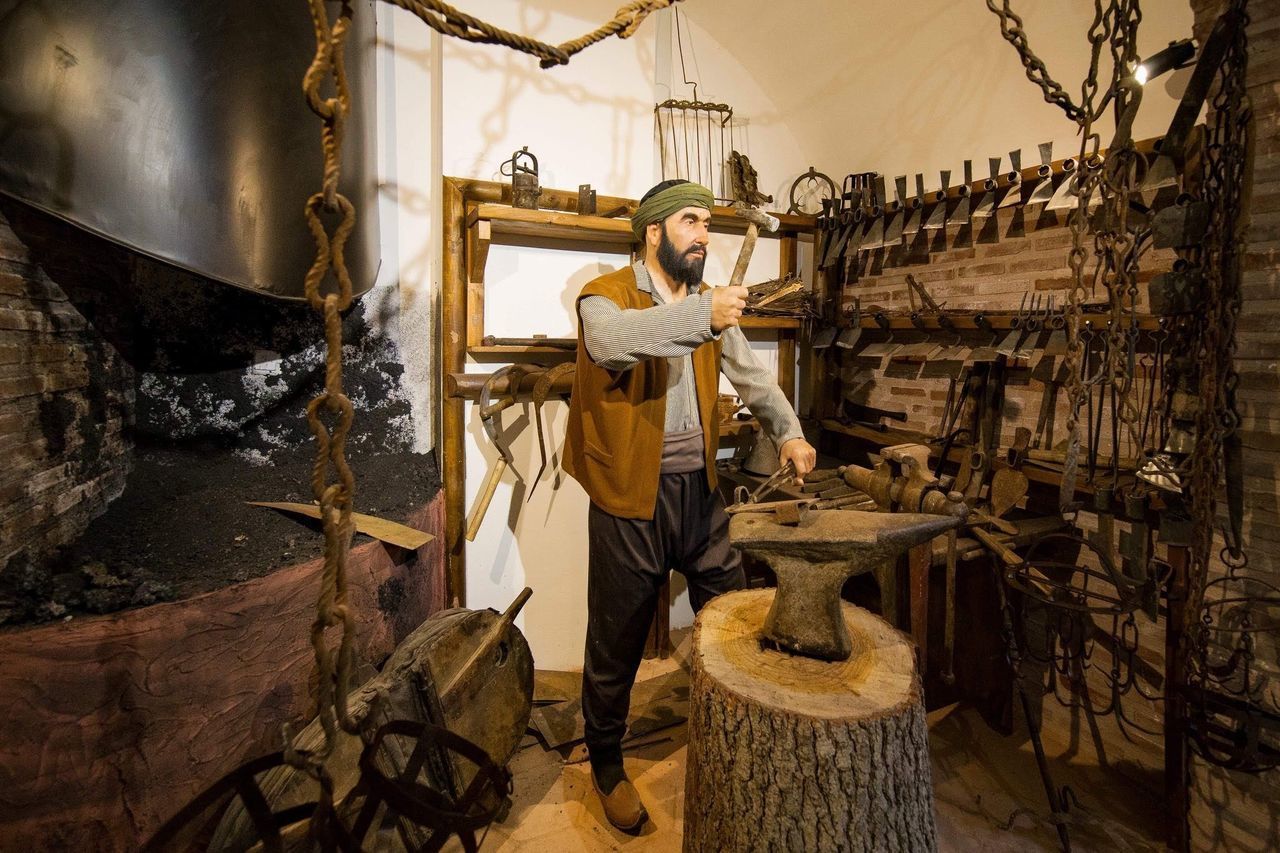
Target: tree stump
<point x="788" y="753"/>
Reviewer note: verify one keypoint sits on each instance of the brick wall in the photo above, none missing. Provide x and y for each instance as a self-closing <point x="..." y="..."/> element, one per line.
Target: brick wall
<point x="1230" y="810"/>
<point x="65" y="399"/>
<point x="991" y="270"/>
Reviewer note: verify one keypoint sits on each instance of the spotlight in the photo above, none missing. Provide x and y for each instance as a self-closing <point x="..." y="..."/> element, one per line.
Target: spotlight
<point x="1179" y="54"/>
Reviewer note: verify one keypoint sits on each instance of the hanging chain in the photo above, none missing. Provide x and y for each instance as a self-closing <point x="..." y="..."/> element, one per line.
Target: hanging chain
<point x="1226" y="157"/>
<point x="1011" y="29"/>
<point x="1114" y="25"/>
<point x="334" y="498"/>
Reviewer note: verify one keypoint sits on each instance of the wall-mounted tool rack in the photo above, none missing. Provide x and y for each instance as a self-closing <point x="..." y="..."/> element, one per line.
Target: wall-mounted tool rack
<point x="478" y="214"/>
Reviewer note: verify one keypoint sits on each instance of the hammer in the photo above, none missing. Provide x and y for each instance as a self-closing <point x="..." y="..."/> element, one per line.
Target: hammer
<point x="756" y="219"/>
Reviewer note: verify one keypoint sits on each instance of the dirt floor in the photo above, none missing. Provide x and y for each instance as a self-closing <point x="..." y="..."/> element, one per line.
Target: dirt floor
<point x="182" y="528"/>
<point x="988" y="793"/>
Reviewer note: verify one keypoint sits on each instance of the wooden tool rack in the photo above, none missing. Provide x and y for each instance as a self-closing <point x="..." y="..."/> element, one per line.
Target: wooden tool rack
<point x="478" y="214"/>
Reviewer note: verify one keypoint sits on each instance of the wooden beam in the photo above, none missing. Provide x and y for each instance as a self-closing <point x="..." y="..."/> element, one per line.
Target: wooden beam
<point x="453" y="355"/>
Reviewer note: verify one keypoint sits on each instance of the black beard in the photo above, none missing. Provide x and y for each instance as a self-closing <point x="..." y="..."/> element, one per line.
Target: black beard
<point x="686" y="267"/>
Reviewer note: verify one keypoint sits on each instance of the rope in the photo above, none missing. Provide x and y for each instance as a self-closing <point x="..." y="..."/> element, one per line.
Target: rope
<point x="447" y="20"/>
<point x="335" y="498"/>
<point x="328" y="66"/>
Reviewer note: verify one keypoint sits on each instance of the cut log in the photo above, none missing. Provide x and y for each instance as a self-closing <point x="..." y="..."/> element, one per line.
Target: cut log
<point x="793" y="753"/>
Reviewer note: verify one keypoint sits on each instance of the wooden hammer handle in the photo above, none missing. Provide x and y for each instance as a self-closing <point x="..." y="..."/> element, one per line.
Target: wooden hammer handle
<point x="744" y="255"/>
<point x="486" y="495"/>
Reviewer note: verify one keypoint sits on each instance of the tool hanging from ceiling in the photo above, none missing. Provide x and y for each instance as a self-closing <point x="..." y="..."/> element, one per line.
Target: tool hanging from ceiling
<point x="695" y="138"/>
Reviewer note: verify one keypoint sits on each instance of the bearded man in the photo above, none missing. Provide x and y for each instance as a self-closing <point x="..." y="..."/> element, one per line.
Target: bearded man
<point x="641" y="438"/>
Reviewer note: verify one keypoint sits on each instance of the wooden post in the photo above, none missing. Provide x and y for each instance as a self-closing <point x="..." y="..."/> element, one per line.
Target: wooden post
<point x="788" y="264"/>
<point x="919" y="560"/>
<point x="453" y="356"/>
<point x="1177" y="766"/>
<point x="793" y="753"/>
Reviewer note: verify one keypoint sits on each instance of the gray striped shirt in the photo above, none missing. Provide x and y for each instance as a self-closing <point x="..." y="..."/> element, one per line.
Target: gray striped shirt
<point x="618" y="339"/>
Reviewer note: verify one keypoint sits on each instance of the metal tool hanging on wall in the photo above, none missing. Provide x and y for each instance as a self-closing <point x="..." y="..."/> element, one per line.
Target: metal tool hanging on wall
<point x="522" y="168"/>
<point x="815" y="180"/>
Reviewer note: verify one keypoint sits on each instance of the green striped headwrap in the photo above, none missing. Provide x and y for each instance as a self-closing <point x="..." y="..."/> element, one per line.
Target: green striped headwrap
<point x="661" y="202"/>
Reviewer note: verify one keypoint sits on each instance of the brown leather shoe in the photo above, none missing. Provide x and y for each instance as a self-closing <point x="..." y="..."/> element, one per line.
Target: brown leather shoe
<point x="622" y="805"/>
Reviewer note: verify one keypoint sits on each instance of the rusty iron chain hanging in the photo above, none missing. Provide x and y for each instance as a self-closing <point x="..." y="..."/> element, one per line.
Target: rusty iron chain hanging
<point x="1226" y="157"/>
<point x="1011" y="29"/>
<point x="1115" y="25"/>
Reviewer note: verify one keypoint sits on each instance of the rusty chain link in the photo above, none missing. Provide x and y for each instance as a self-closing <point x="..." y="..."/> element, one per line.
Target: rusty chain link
<point x="1111" y="180"/>
<point x="1226" y="157"/>
<point x="1011" y="29"/>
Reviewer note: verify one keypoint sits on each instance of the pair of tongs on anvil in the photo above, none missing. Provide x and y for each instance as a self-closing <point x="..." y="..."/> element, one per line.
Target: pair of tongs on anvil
<point x="782" y="475"/>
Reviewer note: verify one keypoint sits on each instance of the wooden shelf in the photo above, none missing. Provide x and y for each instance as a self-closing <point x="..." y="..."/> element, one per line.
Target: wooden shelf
<point x="1035" y="473"/>
<point x="965" y="320"/>
<point x="750" y="322"/>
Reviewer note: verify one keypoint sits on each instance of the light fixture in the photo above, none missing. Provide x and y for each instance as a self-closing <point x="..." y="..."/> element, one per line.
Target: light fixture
<point x="1179" y="54"/>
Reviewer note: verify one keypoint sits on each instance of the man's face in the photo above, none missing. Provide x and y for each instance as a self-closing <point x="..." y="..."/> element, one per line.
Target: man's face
<point x="682" y="244"/>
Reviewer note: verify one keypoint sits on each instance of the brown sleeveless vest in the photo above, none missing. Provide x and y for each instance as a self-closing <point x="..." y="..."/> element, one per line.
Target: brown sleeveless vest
<point x="613" y="441"/>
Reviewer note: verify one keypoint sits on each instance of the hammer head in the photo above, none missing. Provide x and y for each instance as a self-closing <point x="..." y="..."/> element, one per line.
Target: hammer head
<point x="763" y="221"/>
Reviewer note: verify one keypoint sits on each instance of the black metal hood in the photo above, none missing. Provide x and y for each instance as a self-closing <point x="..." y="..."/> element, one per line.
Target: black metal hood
<point x="180" y="130"/>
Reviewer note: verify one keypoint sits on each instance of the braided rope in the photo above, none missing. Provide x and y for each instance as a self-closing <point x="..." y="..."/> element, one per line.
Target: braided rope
<point x="449" y="21"/>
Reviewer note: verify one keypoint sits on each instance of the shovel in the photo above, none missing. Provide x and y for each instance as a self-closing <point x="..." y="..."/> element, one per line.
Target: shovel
<point x="1009" y="485"/>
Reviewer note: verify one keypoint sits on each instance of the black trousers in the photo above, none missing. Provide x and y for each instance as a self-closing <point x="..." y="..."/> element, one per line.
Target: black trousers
<point x="628" y="560"/>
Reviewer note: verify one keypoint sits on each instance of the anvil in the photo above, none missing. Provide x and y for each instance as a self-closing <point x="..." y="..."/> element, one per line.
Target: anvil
<point x="813" y="560"/>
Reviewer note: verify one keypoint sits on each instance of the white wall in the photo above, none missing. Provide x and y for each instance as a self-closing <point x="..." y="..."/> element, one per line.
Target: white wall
<point x="893" y="87"/>
<point x="900" y="88"/>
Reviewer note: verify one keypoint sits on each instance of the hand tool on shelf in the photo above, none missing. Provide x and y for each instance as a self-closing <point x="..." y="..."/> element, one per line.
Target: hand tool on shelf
<point x="1043" y="190"/>
<point x="874" y="236"/>
<point x="937" y="218"/>
<point x="1011" y="194"/>
<point x="815" y="179"/>
<point x="1009" y="485"/>
<point x="915" y="208"/>
<point x="893" y="230"/>
<point x="1063" y="197"/>
<point x="489" y="412"/>
<point x="541" y="390"/>
<point x="985" y="204"/>
<point x="535" y="341"/>
<point x="961" y="213"/>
